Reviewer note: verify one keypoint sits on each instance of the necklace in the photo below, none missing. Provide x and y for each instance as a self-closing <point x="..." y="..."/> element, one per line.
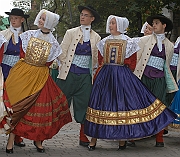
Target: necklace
<point x="45" y="32"/>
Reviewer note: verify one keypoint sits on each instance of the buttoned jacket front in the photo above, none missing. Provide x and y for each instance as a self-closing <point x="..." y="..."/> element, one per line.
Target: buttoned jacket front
<point x="68" y="45"/>
<point x="146" y="45"/>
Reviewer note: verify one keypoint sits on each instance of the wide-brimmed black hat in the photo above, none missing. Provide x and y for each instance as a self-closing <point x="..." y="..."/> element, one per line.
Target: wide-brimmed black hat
<point x="162" y="18"/>
<point x="92" y="10"/>
<point x="17" y="12"/>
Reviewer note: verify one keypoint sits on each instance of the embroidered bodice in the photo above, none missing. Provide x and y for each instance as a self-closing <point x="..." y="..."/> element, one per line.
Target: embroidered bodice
<point x="37" y="52"/>
<point x="114" y="51"/>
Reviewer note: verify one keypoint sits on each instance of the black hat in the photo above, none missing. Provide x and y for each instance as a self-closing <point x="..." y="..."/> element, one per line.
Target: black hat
<point x="17" y="12"/>
<point x="92" y="10"/>
<point x="162" y="18"/>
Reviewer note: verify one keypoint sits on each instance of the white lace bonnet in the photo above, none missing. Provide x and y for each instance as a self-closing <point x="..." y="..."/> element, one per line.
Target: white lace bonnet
<point x="144" y="27"/>
<point x="122" y="24"/>
<point x="51" y="21"/>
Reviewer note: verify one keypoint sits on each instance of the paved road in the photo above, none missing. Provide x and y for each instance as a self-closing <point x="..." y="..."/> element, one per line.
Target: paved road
<point x="66" y="144"/>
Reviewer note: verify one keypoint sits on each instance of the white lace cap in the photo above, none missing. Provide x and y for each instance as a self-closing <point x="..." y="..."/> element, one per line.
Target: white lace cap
<point x="122" y="24"/>
<point x="177" y="42"/>
<point x="144" y="27"/>
<point x="51" y="21"/>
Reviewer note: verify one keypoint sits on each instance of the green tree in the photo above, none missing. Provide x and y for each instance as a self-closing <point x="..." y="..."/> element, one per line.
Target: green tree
<point x="135" y="10"/>
<point x="4" y="23"/>
<point x="67" y="9"/>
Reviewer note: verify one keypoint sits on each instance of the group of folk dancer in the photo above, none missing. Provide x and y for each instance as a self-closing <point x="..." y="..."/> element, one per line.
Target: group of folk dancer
<point x="121" y="88"/>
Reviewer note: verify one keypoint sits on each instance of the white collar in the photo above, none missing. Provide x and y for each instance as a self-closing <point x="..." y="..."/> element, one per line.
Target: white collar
<point x="16" y="32"/>
<point x="160" y="38"/>
<point x="84" y="27"/>
<point x="86" y="32"/>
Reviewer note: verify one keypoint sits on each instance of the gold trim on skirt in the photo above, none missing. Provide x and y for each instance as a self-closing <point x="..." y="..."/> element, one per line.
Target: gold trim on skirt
<point x="175" y="126"/>
<point x="126" y="117"/>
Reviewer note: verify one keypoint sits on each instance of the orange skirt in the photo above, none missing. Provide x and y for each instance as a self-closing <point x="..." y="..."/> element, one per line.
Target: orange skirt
<point x="39" y="110"/>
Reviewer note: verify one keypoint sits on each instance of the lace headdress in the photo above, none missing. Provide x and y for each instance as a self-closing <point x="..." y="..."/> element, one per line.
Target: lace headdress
<point x="51" y="21"/>
<point x="122" y="24"/>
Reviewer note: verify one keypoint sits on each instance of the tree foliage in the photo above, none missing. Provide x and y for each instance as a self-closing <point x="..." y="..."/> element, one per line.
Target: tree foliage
<point x="135" y="10"/>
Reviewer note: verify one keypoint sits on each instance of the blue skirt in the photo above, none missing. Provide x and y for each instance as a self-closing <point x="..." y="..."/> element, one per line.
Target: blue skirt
<point x="175" y="107"/>
<point x="121" y="107"/>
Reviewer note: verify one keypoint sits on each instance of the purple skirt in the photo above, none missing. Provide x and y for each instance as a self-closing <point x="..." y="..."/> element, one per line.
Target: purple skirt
<point x="121" y="107"/>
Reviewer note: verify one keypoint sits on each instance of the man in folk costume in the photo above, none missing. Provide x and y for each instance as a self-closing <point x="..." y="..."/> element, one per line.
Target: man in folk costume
<point x="11" y="52"/>
<point x="153" y="62"/>
<point x="78" y="62"/>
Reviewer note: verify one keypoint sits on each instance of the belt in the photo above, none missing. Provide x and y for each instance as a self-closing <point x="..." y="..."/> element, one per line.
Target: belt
<point x="81" y="61"/>
<point x="174" y="61"/>
<point x="10" y="60"/>
<point x="156" y="62"/>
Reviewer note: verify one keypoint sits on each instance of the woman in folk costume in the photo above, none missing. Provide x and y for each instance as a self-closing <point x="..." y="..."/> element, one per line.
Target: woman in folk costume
<point x="39" y="107"/>
<point x="175" y="106"/>
<point x="145" y="30"/>
<point x="121" y="107"/>
<point x="3" y="124"/>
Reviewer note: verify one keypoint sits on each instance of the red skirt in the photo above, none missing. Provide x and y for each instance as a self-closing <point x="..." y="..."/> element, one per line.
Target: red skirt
<point x="47" y="116"/>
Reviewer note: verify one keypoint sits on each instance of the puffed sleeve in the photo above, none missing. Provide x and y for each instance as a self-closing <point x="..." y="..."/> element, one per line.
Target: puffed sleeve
<point x="131" y="61"/>
<point x="100" y="64"/>
<point x="22" y="54"/>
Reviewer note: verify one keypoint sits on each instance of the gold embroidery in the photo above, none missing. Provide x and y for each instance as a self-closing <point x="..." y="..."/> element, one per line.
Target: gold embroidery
<point x="50" y="103"/>
<point x="175" y="126"/>
<point x="126" y="117"/>
<point x="119" y="47"/>
<point x="113" y="54"/>
<point x="37" y="52"/>
<point x="44" y="124"/>
<point x="47" y="114"/>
